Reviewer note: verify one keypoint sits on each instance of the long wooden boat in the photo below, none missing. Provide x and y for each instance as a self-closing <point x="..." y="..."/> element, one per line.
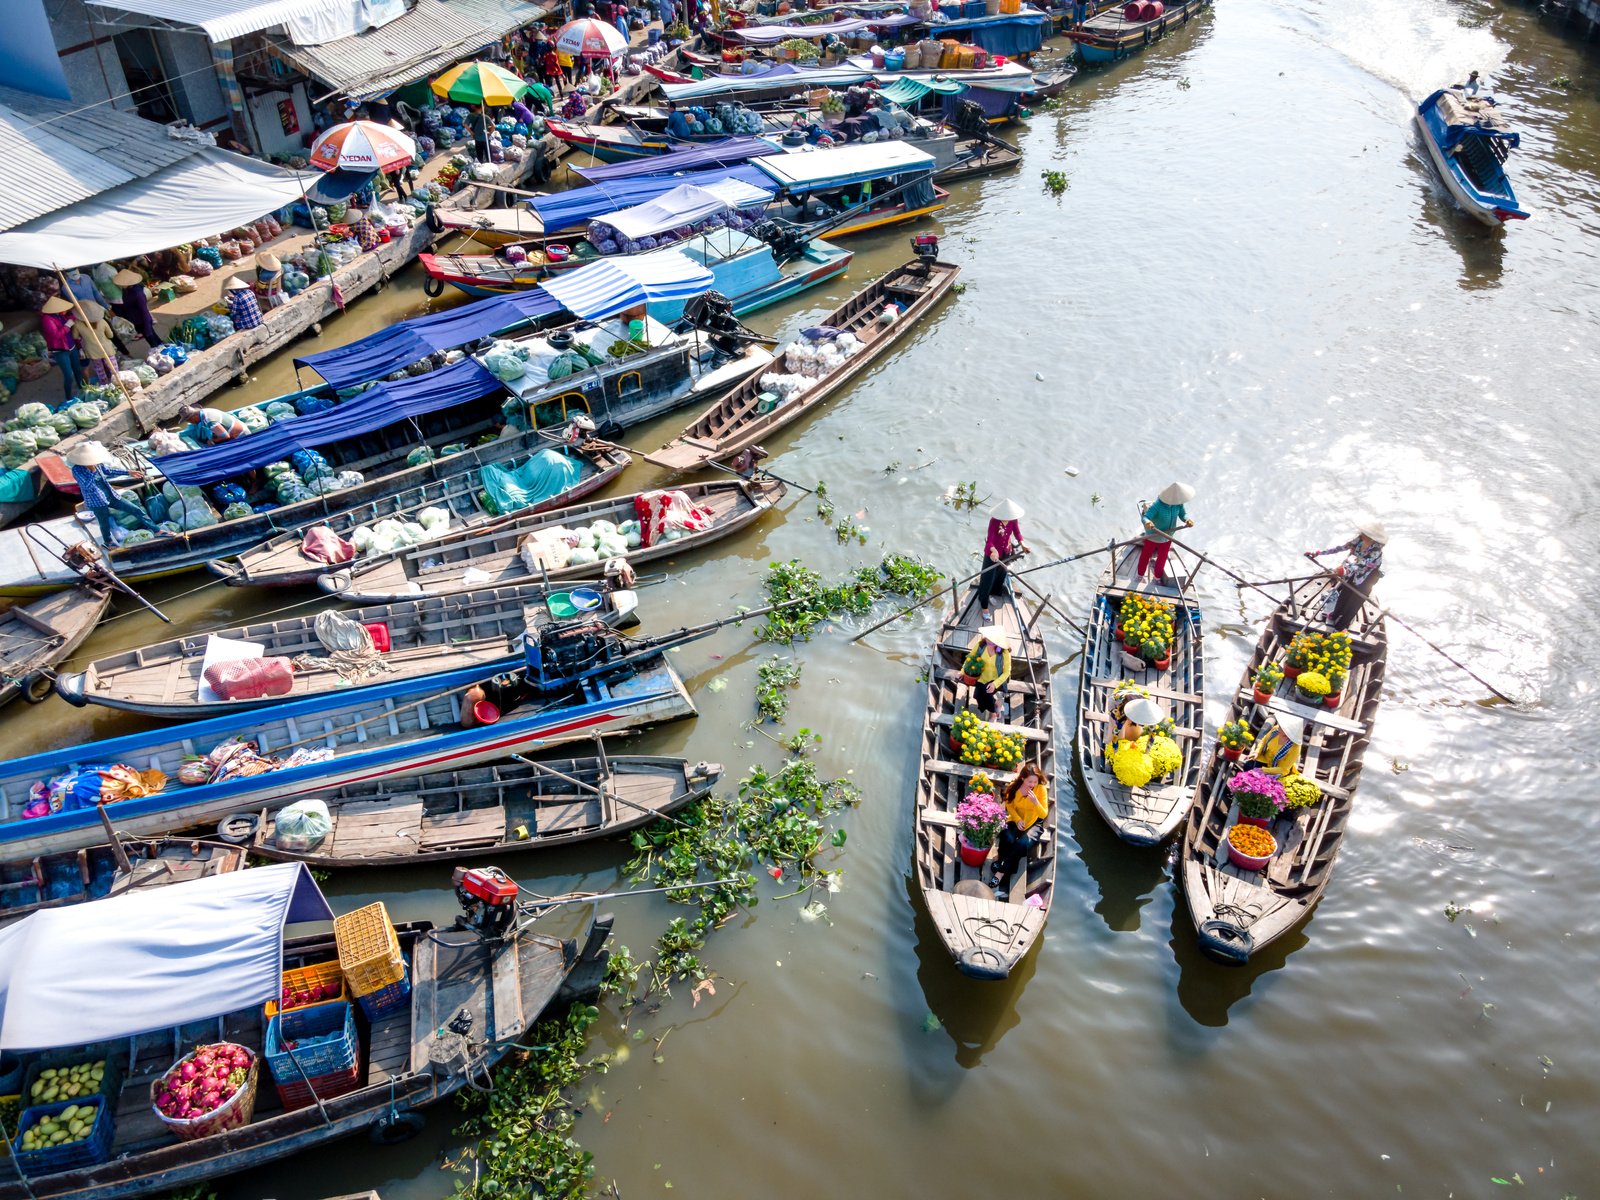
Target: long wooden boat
<point x="410" y="1060"/>
<point x="391" y="487"/>
<point x="987" y="937"/>
<point x="1237" y="912"/>
<point x="76" y="876"/>
<point x="279" y="562"/>
<point x="743" y="417"/>
<point x="1109" y="36"/>
<point x="491" y="810"/>
<point x="480" y="629"/>
<point x="1468" y="140"/>
<point x="1144" y="816"/>
<point x="443" y="568"/>
<point x="381" y="732"/>
<point x="38" y="636"/>
<point x="608" y="143"/>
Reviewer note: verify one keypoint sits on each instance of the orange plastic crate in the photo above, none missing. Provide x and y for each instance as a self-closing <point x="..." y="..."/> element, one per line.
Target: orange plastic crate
<point x="305" y="978"/>
<point x="369" y="951"/>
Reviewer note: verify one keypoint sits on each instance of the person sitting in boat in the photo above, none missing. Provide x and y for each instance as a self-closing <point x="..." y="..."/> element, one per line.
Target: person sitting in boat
<point x="1472" y="86"/>
<point x="1161" y="520"/>
<point x="1354" y="577"/>
<point x="1002" y="544"/>
<point x="1132" y="715"/>
<point x="1027" y="803"/>
<point x="988" y="666"/>
<point x="1278" y="751"/>
<point x="677" y="122"/>
<point x="211" y="426"/>
<point x="747" y="462"/>
<point x="485" y="703"/>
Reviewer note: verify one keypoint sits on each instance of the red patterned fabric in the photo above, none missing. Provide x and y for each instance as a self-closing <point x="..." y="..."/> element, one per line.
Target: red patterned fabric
<point x="660" y="511"/>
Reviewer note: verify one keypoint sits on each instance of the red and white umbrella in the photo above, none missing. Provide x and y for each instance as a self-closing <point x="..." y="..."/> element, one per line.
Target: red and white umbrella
<point x="362" y="146"/>
<point x="598" y="39"/>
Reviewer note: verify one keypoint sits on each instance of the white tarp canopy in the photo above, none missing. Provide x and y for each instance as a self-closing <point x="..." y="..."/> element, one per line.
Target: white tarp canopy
<point x="207" y="193"/>
<point x="842" y="165"/>
<point x="224" y="20"/>
<point x="150" y="959"/>
<point x="688" y="204"/>
<point x="610" y="285"/>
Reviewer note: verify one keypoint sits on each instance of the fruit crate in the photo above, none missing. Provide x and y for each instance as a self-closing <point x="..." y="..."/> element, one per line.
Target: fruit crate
<point x="85" y="1152"/>
<point x="324" y="1041"/>
<point x="302" y="979"/>
<point x="369" y="951"/>
<point x="298" y="1094"/>
<point x="387" y="1001"/>
<point x="110" y="1083"/>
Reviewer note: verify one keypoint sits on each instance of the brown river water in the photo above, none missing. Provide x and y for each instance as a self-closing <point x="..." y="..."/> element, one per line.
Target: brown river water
<point x="1254" y="283"/>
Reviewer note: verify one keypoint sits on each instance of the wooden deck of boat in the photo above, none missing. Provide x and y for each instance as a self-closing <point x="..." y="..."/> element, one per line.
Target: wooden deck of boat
<point x="45" y="632"/>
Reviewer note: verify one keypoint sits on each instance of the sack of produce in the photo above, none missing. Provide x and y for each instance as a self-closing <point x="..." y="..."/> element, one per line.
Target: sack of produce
<point x="422" y="454"/>
<point x="251" y="678"/>
<point x="323" y="545"/>
<point x="303" y="825"/>
<point x="348" y="479"/>
<point x="237" y="511"/>
<point x="251" y="417"/>
<point x="33" y="414"/>
<point x="207" y="1092"/>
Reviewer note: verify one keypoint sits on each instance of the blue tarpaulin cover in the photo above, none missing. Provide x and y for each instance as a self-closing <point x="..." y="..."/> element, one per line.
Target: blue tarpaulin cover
<point x="724" y="153"/>
<point x="375" y="408"/>
<point x="566" y="209"/>
<point x="388" y="350"/>
<point x="1022" y="33"/>
<point x="548" y="473"/>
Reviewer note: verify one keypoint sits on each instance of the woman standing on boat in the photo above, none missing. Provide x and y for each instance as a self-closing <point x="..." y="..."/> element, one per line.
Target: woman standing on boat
<point x="89" y="463"/>
<point x="1354" y="577"/>
<point x="1003" y="543"/>
<point x="1161" y="520"/>
<point x="1027" y="803"/>
<point x="988" y="666"/>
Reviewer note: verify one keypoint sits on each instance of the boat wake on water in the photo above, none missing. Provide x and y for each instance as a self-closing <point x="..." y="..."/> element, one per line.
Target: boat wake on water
<point x="1415" y="48"/>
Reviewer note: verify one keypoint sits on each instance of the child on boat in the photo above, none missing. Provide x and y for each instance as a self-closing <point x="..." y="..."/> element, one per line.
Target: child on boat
<point x="1027" y="803"/>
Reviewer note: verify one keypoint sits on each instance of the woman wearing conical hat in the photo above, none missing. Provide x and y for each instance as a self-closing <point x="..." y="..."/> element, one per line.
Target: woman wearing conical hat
<point x="1003" y="543"/>
<point x="1161" y="519"/>
<point x="1362" y="565"/>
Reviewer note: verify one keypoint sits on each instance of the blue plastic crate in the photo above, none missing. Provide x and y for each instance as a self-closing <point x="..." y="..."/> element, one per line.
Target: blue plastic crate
<point x="387" y="1001"/>
<point x="85" y="1152"/>
<point x="324" y="1037"/>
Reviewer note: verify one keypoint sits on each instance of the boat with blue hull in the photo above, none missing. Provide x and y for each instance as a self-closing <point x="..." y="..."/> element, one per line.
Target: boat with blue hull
<point x="1128" y="29"/>
<point x="1468" y="138"/>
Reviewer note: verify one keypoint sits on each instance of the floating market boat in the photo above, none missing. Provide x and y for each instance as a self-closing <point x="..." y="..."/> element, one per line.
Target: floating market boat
<point x="375" y="433"/>
<point x="38" y="636"/>
<point x="1238" y="912"/>
<point x="608" y="143"/>
<point x="853" y="188"/>
<point x="498" y="557"/>
<point x="487" y="811"/>
<point x="480" y="629"/>
<point x="750" y="413"/>
<point x="475" y="989"/>
<point x="985" y="935"/>
<point x="1108" y="36"/>
<point x="1468" y="139"/>
<point x="306" y="746"/>
<point x="1143" y="815"/>
<point x="76" y="876"/>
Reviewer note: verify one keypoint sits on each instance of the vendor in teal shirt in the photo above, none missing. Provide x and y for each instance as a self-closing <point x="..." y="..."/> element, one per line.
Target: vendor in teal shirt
<point x="1160" y="520"/>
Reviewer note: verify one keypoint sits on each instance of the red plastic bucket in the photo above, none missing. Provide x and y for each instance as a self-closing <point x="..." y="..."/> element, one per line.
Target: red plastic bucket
<point x="486" y="712"/>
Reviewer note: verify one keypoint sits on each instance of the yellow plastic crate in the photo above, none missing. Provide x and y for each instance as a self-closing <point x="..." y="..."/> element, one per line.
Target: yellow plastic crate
<point x="369" y="951"/>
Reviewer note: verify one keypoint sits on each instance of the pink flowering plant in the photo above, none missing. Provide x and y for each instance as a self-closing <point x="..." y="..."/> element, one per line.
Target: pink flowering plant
<point x="979" y="817"/>
<point x="1258" y="793"/>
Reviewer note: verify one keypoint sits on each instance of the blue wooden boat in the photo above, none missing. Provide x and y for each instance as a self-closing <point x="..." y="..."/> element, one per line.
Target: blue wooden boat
<point x="1468" y="139"/>
<point x="751" y="276"/>
<point x="1109" y="36"/>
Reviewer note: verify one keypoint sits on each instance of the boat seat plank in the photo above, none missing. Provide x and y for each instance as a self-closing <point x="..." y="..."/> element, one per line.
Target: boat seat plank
<point x="1013" y="685"/>
<point x="567" y="816"/>
<point x="963" y="771"/>
<point x="376" y="828"/>
<point x="391" y="1048"/>
<point x="475" y="827"/>
<point x="1314" y="716"/>
<point x="1101" y="718"/>
<point x="1159" y="693"/>
<point x="937" y="816"/>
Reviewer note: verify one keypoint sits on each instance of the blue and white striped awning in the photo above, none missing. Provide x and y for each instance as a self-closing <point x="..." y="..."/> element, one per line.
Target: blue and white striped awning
<point x="613" y="284"/>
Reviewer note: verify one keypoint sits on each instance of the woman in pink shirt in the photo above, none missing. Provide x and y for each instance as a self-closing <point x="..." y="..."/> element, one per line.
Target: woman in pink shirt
<point x="55" y="322"/>
<point x="1003" y="543"/>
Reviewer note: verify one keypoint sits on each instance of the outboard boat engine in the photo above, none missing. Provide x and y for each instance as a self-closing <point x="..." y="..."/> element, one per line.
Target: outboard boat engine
<point x="712" y="312"/>
<point x="560" y="651"/>
<point x="786" y="239"/>
<point x="926" y="247"/>
<point x="488" y="899"/>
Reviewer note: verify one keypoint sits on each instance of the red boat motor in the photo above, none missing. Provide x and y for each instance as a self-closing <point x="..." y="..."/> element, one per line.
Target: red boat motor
<point x="488" y="899"/>
<point x="926" y="247"/>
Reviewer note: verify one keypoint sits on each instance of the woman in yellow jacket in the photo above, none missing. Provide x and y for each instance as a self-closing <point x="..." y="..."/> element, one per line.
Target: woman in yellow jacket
<point x="1027" y="803"/>
<point x="1278" y="752"/>
<point x="988" y="665"/>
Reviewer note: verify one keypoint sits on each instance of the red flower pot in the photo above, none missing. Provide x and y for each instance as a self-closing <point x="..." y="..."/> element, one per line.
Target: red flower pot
<point x="1290" y="672"/>
<point x="971" y="856"/>
<point x="1231" y="755"/>
<point x="1262" y="697"/>
<point x="1130" y="648"/>
<point x="1161" y="664"/>
<point x="1119" y="633"/>
<point x="1258" y="822"/>
<point x="1333" y="700"/>
<point x="1247" y="863"/>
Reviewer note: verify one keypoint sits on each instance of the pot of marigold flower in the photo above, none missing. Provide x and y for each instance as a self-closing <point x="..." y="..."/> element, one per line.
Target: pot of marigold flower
<point x="1249" y="848"/>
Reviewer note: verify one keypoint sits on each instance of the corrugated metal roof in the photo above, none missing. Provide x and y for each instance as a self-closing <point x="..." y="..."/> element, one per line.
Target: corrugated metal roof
<point x="430" y="37"/>
<point x="57" y="156"/>
<point x="222" y="20"/>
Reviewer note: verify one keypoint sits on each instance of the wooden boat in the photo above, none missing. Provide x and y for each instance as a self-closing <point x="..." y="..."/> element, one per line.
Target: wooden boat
<point x="854" y="188"/>
<point x="441" y="568"/>
<point x="1237" y="912"/>
<point x="74" y="877"/>
<point x="491" y="810"/>
<point x="1144" y="816"/>
<point x="608" y="143"/>
<point x="479" y="629"/>
<point x="490" y="226"/>
<point x="986" y="936"/>
<point x="494" y="989"/>
<point x="743" y="417"/>
<point x="380" y="732"/>
<point x="1051" y="82"/>
<point x="37" y="637"/>
<point x="1468" y="140"/>
<point x="1109" y="36"/>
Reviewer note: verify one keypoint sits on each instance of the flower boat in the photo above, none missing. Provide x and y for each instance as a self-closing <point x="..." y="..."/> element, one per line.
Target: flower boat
<point x="496" y="555"/>
<point x="499" y="808"/>
<point x="142" y="999"/>
<point x="750" y="413"/>
<point x="1468" y="140"/>
<point x="1238" y="911"/>
<point x="1144" y="813"/>
<point x="987" y="937"/>
<point x="480" y="630"/>
<point x="1129" y="28"/>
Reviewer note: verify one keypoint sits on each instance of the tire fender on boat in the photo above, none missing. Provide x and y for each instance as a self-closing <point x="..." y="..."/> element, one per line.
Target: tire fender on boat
<point x="37" y="686"/>
<point x="432" y="288"/>
<point x="394" y="1128"/>
<point x="1225" y="941"/>
<point x="238" y="828"/>
<point x="435" y="221"/>
<point x="981" y="962"/>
